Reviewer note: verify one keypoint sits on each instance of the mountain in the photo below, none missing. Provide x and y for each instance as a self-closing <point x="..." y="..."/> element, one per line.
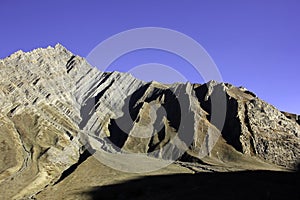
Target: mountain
<point x="57" y="110"/>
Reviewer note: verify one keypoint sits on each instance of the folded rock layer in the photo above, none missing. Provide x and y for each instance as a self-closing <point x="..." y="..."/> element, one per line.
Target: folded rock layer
<point x="55" y="105"/>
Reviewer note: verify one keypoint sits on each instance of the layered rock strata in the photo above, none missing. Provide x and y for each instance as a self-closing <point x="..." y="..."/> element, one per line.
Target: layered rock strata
<point x="54" y="105"/>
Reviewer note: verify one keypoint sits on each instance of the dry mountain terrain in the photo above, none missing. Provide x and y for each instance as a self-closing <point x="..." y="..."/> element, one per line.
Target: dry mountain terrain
<point x="57" y="110"/>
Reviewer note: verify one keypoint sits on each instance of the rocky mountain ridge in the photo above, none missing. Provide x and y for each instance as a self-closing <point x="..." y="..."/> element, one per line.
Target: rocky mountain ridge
<point x="54" y="106"/>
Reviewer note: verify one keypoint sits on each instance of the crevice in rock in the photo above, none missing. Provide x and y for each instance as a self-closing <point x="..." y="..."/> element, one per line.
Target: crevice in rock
<point x="70" y="63"/>
<point x="12" y="111"/>
<point x="101" y="93"/>
<point x="249" y="92"/>
<point x="36" y="81"/>
<point x="69" y="135"/>
<point x="106" y="76"/>
<point x="35" y="100"/>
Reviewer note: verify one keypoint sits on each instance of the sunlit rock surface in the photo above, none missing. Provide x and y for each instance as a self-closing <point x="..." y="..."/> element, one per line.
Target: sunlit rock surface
<point x="54" y="106"/>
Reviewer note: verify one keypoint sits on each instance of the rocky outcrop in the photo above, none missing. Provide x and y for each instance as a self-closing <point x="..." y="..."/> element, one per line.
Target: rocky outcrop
<point x="292" y="116"/>
<point x="54" y="105"/>
<point x="39" y="120"/>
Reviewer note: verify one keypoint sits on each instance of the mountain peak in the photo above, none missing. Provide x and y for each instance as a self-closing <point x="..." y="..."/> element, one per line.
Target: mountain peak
<point x="54" y="105"/>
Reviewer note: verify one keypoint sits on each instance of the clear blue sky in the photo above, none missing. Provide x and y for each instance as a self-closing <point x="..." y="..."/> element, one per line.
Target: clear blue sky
<point x="254" y="43"/>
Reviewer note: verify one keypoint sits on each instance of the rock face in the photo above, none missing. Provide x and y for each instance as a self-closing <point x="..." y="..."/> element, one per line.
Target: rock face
<point x="54" y="105"/>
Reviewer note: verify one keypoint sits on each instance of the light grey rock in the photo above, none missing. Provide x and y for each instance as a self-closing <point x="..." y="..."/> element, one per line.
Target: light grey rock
<point x="55" y="104"/>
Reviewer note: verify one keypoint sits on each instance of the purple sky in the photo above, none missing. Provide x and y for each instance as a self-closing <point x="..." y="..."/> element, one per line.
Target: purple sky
<point x="254" y="43"/>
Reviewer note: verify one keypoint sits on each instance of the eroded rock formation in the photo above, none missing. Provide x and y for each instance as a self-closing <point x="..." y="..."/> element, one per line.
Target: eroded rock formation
<point x="54" y="105"/>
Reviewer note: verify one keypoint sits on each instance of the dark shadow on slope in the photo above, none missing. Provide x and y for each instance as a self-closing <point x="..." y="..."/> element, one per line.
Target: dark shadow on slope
<point x="131" y="102"/>
<point x="232" y="127"/>
<point x="252" y="185"/>
<point x="91" y="105"/>
<point x="201" y="92"/>
<point x="118" y="135"/>
<point x="70" y="63"/>
<point x="85" y="155"/>
<point x="231" y="130"/>
<point x="106" y="76"/>
<point x="120" y="128"/>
